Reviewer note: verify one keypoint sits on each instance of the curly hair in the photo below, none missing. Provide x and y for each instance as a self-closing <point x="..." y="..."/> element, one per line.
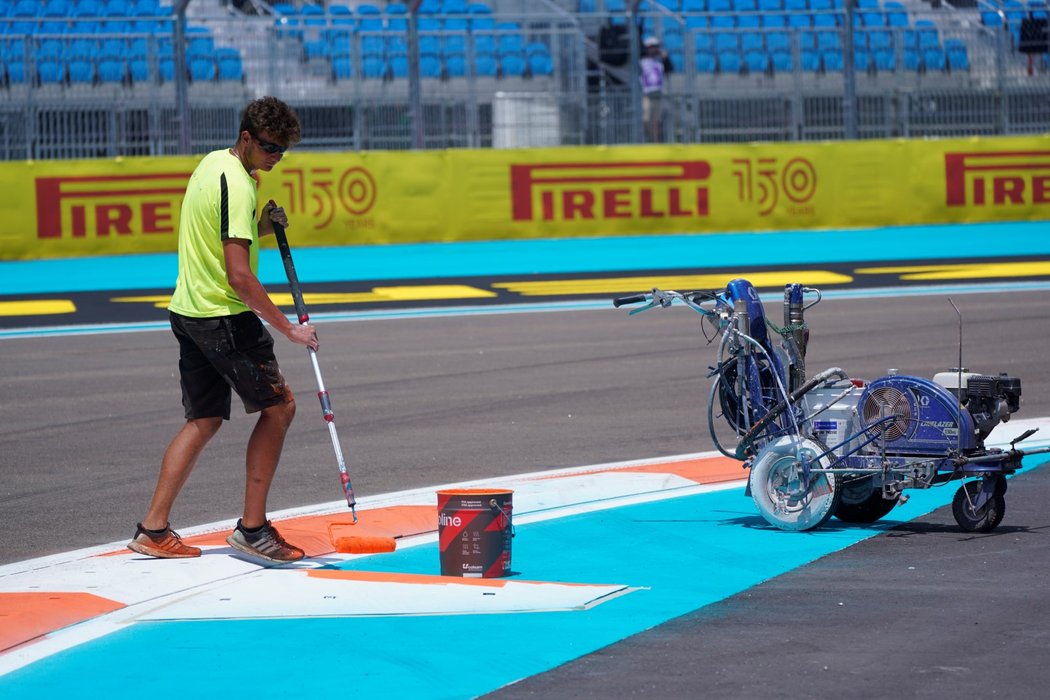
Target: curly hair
<point x="273" y="116"/>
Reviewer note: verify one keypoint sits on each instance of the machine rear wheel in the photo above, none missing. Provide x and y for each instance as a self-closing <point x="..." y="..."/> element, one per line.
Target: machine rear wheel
<point x="776" y="483"/>
<point x="863" y="503"/>
<point x="983" y="519"/>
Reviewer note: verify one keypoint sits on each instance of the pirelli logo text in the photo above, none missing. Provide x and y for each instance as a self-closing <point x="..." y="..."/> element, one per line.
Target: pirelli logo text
<point x="1000" y="179"/>
<point x="589" y="191"/>
<point x="112" y="205"/>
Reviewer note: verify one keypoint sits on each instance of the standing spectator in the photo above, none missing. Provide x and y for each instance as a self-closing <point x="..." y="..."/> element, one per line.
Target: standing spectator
<point x="653" y="69"/>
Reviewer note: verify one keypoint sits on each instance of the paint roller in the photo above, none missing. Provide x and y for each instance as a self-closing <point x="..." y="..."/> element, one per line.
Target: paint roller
<point x="359" y="544"/>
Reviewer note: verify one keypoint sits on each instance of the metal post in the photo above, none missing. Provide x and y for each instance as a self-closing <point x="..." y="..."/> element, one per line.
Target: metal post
<point x="634" y="72"/>
<point x="182" y="99"/>
<point x="849" y="100"/>
<point x="415" y="99"/>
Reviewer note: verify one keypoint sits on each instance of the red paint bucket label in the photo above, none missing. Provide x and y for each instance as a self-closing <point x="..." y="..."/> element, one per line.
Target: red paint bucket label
<point x="474" y="532"/>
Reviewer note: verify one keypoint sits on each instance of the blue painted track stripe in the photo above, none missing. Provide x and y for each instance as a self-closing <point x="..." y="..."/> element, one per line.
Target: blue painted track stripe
<point x="551" y="256"/>
<point x="684" y="553"/>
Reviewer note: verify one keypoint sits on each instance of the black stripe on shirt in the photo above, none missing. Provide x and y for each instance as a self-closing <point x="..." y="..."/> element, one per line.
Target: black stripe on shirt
<point x="224" y="208"/>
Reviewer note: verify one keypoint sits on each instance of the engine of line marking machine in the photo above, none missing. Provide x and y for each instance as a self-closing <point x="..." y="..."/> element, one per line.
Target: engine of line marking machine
<point x="989" y="399"/>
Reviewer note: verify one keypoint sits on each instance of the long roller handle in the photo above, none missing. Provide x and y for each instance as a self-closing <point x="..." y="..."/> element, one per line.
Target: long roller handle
<point x="322" y="393"/>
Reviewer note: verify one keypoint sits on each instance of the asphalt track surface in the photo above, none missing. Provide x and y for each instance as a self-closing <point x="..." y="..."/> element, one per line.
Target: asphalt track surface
<point x="922" y="610"/>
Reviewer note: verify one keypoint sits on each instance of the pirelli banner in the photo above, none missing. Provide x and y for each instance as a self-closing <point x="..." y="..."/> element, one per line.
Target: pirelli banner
<point x="100" y="207"/>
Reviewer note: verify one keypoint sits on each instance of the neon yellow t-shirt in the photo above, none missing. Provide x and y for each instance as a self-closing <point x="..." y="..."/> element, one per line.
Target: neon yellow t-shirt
<point x="219" y="204"/>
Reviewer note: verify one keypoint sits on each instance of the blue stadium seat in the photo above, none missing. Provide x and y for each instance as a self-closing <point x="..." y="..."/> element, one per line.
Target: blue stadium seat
<point x="933" y="58"/>
<point x="832" y="59"/>
<point x="861" y="60"/>
<point x="872" y="19"/>
<point x="800" y="20"/>
<point x="810" y="60"/>
<point x="312" y="15"/>
<point x="341" y="15"/>
<point x="373" y="67"/>
<point x="770" y="5"/>
<point x="885" y="60"/>
<point x="756" y="61"/>
<point x="880" y="39"/>
<point x="50" y="48"/>
<point x="81" y="71"/>
<point x="342" y="67"/>
<point x="729" y="61"/>
<point x="752" y="41"/>
<point x="430" y="65"/>
<point x="228" y="64"/>
<point x="16" y="72"/>
<point x="202" y="69"/>
<point x="957" y="55"/>
<point x="781" y="61"/>
<point x="752" y="21"/>
<point x="81" y="49"/>
<point x="456" y="65"/>
<point x="373" y="45"/>
<point x="166" y="67"/>
<point x="484" y="44"/>
<point x="912" y="59"/>
<point x="725" y="41"/>
<point x="673" y="39"/>
<point x="139" y="70"/>
<point x="398" y="65"/>
<point x="540" y="64"/>
<point x="703" y="41"/>
<point x="774" y="20"/>
<point x="112" y="70"/>
<point x="51" y="71"/>
<point x="370" y="18"/>
<point x="454" y="7"/>
<point x="512" y="64"/>
<point x="744" y="5"/>
<point x="927" y="33"/>
<point x="485" y="64"/>
<point x="824" y="20"/>
<point x="896" y="14"/>
<point x="705" y="62"/>
<point x="829" y="40"/>
<point x="778" y="41"/>
<point x="723" y="22"/>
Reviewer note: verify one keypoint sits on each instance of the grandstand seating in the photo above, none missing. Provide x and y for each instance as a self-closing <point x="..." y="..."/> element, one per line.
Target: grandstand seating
<point x="95" y="42"/>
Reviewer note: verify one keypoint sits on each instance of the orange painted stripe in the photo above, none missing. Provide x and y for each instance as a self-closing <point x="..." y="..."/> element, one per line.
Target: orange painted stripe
<point x="706" y="470"/>
<point x="428" y="579"/>
<point x="26" y="616"/>
<point x="316" y="534"/>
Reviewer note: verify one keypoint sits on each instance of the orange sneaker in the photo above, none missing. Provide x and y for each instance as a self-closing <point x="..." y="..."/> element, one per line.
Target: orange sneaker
<point x="166" y="545"/>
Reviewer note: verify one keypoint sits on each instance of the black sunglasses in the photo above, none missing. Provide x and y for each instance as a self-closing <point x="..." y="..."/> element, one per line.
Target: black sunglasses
<point x="268" y="146"/>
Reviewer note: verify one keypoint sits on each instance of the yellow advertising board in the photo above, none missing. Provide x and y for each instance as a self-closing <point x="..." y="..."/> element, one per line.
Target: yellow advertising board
<point x="131" y="205"/>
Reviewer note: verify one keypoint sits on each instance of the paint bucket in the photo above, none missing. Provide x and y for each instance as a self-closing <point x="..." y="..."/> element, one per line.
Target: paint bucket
<point x="474" y="532"/>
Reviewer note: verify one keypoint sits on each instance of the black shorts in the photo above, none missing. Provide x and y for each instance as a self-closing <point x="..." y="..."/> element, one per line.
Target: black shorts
<point x="217" y="354"/>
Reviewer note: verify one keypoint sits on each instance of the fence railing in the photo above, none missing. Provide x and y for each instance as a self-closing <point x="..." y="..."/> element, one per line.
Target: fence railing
<point x="437" y="87"/>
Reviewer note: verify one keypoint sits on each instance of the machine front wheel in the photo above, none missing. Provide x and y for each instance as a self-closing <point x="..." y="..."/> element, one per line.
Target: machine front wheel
<point x="780" y="490"/>
<point x="983" y="519"/>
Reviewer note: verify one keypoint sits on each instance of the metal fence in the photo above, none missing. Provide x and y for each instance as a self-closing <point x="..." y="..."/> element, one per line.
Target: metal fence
<point x="582" y="100"/>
